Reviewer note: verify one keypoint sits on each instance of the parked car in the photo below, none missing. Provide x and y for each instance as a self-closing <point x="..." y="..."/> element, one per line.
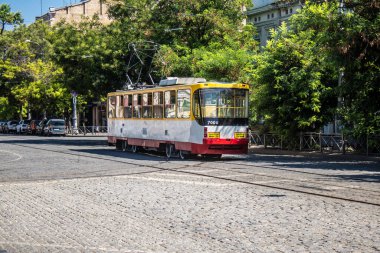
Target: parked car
<point x="55" y="127"/>
<point x="2" y="126"/>
<point x="41" y="126"/>
<point x="33" y="126"/>
<point x="23" y="126"/>
<point x="10" y="127"/>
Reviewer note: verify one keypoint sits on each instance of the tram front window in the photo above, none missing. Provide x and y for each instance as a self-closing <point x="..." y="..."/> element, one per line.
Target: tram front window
<point x="226" y="105"/>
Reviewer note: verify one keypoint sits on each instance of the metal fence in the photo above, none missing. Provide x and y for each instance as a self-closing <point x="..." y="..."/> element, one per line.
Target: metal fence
<point x="369" y="144"/>
<point x="88" y="130"/>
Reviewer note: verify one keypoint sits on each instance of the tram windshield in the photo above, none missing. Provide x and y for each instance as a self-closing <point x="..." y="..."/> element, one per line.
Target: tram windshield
<point x="220" y="104"/>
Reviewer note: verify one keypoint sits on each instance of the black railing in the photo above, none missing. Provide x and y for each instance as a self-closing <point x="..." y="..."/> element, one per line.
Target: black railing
<point x="310" y="141"/>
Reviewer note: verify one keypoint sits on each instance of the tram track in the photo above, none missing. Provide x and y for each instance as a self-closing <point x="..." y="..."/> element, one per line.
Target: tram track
<point x="290" y="179"/>
<point x="157" y="169"/>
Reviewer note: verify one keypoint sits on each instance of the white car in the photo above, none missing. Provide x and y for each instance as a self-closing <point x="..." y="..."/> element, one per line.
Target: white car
<point x="10" y="127"/>
<point x="23" y="126"/>
<point x="55" y="127"/>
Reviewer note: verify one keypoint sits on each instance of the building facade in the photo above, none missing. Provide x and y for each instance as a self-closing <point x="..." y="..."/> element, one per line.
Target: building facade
<point x="76" y="12"/>
<point x="269" y="14"/>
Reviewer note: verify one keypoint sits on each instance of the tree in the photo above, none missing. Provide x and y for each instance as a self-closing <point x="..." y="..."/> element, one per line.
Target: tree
<point x="291" y="84"/>
<point x="89" y="58"/>
<point x="193" y="35"/>
<point x="29" y="78"/>
<point x="8" y="18"/>
<point x="349" y="32"/>
<point x="227" y="61"/>
<point x="297" y="84"/>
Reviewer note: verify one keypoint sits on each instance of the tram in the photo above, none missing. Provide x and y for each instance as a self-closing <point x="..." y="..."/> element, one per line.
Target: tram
<point x="181" y="116"/>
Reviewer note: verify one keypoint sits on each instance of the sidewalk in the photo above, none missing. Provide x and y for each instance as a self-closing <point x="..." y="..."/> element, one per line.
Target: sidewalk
<point x="260" y="150"/>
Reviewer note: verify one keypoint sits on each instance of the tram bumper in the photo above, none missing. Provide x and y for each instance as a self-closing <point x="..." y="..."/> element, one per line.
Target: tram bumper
<point x="221" y="146"/>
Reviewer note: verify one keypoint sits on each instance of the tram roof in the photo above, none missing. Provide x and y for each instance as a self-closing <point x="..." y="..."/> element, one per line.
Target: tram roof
<point x="207" y="84"/>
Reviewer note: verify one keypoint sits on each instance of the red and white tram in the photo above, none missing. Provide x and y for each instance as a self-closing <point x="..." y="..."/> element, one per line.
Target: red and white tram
<point x="188" y="116"/>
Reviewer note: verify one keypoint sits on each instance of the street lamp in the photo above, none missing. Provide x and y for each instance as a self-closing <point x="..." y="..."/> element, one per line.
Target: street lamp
<point x="75" y="122"/>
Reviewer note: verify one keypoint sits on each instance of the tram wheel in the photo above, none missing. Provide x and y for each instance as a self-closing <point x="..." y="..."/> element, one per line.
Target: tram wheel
<point x="119" y="145"/>
<point x="124" y="146"/>
<point x="183" y="155"/>
<point x="169" y="150"/>
<point x="134" y="149"/>
<point x="128" y="148"/>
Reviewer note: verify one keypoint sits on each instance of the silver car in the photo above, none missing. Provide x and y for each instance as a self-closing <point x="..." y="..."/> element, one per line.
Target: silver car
<point x="23" y="126"/>
<point x="55" y="127"/>
<point x="10" y="127"/>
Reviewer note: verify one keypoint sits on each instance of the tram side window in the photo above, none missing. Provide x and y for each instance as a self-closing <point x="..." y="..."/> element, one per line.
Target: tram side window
<point x="147" y="105"/>
<point x="128" y="106"/>
<point x="137" y="106"/>
<point x="196" y="104"/>
<point x="158" y="105"/>
<point x="119" y="106"/>
<point x="170" y="102"/>
<point x="183" y="104"/>
<point x="112" y="107"/>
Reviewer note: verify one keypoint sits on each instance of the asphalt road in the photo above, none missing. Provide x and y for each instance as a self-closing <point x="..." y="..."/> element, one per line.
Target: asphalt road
<point x="76" y="194"/>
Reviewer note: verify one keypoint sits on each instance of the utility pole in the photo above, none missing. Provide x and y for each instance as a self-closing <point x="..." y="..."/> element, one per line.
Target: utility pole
<point x="75" y="122"/>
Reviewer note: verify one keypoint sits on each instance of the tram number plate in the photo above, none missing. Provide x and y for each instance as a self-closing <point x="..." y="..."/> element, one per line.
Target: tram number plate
<point x="240" y="135"/>
<point x="213" y="135"/>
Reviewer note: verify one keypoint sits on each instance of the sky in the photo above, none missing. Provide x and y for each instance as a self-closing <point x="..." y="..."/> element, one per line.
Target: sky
<point x="30" y="9"/>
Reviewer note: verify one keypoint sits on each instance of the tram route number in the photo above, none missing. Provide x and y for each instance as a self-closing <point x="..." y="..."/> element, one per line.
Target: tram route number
<point x="212" y="122"/>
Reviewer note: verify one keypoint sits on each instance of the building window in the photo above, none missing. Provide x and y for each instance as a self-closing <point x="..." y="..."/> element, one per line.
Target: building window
<point x="291" y="10"/>
<point x="268" y="16"/>
<point x="255" y="19"/>
<point x="259" y="19"/>
<point x="286" y="12"/>
<point x="272" y="15"/>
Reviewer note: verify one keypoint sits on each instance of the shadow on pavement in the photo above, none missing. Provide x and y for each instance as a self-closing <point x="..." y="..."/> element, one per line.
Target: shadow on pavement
<point x="359" y="169"/>
<point x="113" y="153"/>
<point x="65" y="141"/>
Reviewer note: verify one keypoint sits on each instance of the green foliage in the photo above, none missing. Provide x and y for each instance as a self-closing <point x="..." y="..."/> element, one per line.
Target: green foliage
<point x="29" y="78"/>
<point x="291" y="88"/>
<point x="191" y="23"/>
<point x="8" y="18"/>
<point x="197" y="38"/>
<point x="90" y="59"/>
<point x="7" y="110"/>
<point x="350" y="34"/>
<point x="296" y="84"/>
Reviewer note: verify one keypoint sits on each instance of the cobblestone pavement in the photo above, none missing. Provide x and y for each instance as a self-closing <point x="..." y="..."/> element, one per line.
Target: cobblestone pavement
<point x="78" y="195"/>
